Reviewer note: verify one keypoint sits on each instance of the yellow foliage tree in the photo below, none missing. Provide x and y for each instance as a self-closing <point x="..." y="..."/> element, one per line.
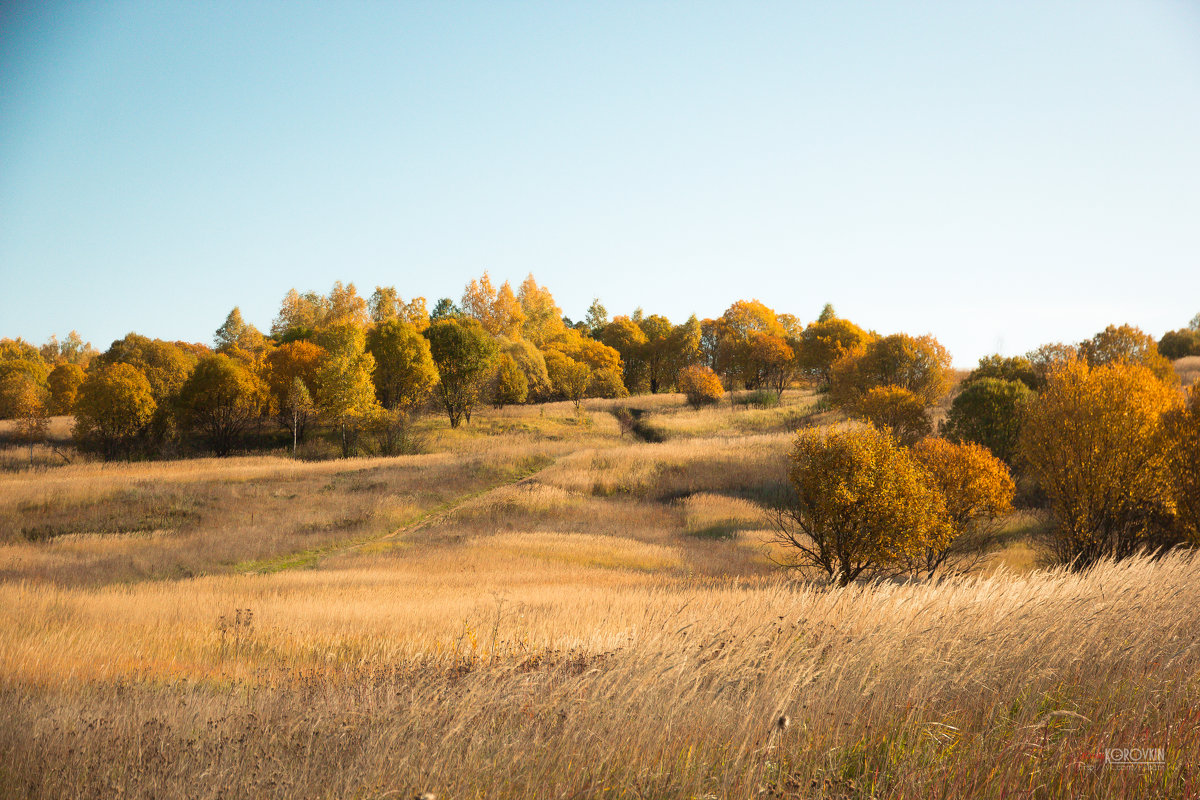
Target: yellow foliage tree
<point x="543" y="317"/>
<point x="569" y="377"/>
<point x="896" y="409"/>
<point x="1093" y="440"/>
<point x="221" y="400"/>
<point x="862" y="506"/>
<point x="1127" y="343"/>
<point x="64" y="384"/>
<point x="917" y="363"/>
<point x="345" y="392"/>
<point x="114" y="405"/>
<point x="976" y="487"/>
<point x="1182" y="434"/>
<point x="29" y="410"/>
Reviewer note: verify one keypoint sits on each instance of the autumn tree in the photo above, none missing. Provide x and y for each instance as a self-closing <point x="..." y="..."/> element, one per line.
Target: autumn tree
<point x="861" y="506"/>
<point x="532" y="363"/>
<point x="29" y="408"/>
<point x="1181" y="428"/>
<point x="1049" y="357"/>
<point x="1013" y="368"/>
<point x="898" y="410"/>
<point x="1093" y="441"/>
<point x="165" y="365"/>
<point x="462" y="351"/>
<point x="543" y="317"/>
<point x="917" y="363"/>
<point x="569" y="377"/>
<point x="345" y="392"/>
<point x="114" y="405"/>
<point x="700" y="385"/>
<point x="596" y="318"/>
<point x="773" y="360"/>
<point x="235" y="335"/>
<point x="404" y="371"/>
<point x="498" y="310"/>
<point x="297" y="407"/>
<point x="221" y="399"/>
<point x="508" y="385"/>
<point x="989" y="412"/>
<point x="825" y="341"/>
<point x="285" y="364"/>
<point x="629" y="340"/>
<point x="63" y="382"/>
<point x="1126" y="343"/>
<point x="977" y="489"/>
<point x="1180" y="344"/>
<point x="656" y="351"/>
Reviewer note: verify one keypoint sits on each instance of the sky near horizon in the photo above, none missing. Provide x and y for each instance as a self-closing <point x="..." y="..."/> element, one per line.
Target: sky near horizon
<point x="997" y="174"/>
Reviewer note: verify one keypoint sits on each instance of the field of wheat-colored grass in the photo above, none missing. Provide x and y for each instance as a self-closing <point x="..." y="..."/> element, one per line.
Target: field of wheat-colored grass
<point x="544" y="605"/>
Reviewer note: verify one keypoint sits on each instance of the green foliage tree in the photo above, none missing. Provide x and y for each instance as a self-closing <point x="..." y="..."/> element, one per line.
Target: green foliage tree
<point x="1180" y="344"/>
<point x="220" y="401"/>
<point x="989" y="412"/>
<point x="596" y="318"/>
<point x="114" y="405"/>
<point x="462" y="351"/>
<point x="1093" y="441"/>
<point x="1014" y="368"/>
<point x="404" y="370"/>
<point x="861" y="506"/>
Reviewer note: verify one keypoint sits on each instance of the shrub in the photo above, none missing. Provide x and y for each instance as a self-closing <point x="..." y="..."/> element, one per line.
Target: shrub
<point x="1182" y="432"/>
<point x="976" y="487"/>
<point x="989" y="412"/>
<point x="700" y="384"/>
<point x="861" y="506"/>
<point x="1093" y="441"/>
<point x="898" y="410"/>
<point x="760" y="398"/>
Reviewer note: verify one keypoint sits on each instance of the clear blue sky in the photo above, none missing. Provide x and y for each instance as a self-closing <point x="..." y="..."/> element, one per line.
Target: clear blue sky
<point x="998" y="174"/>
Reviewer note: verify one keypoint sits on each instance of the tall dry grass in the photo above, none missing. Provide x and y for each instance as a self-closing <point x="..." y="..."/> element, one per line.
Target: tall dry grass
<point x="543" y="606"/>
<point x="593" y="681"/>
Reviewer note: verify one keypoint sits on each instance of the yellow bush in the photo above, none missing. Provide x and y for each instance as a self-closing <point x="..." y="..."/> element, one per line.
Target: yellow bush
<point x="1093" y="441"/>
<point x="862" y="506"/>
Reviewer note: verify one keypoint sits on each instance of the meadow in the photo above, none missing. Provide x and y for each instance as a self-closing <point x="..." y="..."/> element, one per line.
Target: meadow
<point x="553" y="604"/>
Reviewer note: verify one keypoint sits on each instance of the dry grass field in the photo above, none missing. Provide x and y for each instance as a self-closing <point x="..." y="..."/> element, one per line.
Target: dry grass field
<point x="547" y="605"/>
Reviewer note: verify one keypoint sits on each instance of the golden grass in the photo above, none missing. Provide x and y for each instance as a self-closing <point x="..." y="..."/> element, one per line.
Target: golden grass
<point x="543" y="607"/>
<point x="1188" y="370"/>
